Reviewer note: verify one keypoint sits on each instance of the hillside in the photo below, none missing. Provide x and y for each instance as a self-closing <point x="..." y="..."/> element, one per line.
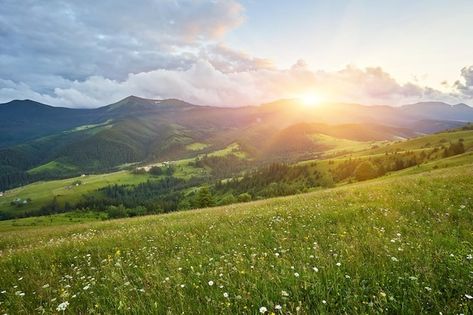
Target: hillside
<point x="59" y="142"/>
<point x="232" y="175"/>
<point x="358" y="248"/>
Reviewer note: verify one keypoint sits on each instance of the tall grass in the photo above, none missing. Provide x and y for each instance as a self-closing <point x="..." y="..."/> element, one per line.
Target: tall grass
<point x="393" y="245"/>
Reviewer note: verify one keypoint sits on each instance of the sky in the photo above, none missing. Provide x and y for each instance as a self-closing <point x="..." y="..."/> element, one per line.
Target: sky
<point x="236" y="52"/>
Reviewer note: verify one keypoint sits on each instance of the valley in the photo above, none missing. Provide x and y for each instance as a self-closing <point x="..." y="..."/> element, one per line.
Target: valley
<point x="301" y="218"/>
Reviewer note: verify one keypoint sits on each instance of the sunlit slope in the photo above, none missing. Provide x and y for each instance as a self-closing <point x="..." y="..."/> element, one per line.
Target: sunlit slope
<point x="392" y="245"/>
<point x="64" y="190"/>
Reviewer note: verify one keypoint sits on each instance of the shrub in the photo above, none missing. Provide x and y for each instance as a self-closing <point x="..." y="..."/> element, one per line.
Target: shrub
<point x="365" y="170"/>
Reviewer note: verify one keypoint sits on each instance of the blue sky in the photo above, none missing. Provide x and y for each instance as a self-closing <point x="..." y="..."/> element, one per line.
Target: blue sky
<point x="426" y="40"/>
<point x="236" y="52"/>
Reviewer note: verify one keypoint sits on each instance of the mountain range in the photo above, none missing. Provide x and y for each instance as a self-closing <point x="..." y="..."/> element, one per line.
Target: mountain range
<point x="38" y="141"/>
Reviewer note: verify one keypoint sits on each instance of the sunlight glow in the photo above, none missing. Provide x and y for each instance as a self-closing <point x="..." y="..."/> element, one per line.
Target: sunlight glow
<point x="310" y="99"/>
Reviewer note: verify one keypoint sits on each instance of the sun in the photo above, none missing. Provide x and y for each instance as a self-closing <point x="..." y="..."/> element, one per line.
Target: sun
<point x="310" y="99"/>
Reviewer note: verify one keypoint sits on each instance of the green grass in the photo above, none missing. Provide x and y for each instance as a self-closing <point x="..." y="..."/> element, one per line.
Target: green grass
<point x="43" y="192"/>
<point x="233" y="148"/>
<point x="422" y="142"/>
<point x="342" y="145"/>
<point x="196" y="146"/>
<point x="51" y="220"/>
<point x="398" y="244"/>
<point x="53" y="166"/>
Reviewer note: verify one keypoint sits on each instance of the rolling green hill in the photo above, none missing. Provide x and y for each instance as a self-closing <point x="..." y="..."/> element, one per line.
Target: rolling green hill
<point x="399" y="244"/>
<point x="60" y="142"/>
<point x="335" y="166"/>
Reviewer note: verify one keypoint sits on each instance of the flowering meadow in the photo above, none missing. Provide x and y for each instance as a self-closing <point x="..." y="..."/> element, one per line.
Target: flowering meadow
<point x="394" y="245"/>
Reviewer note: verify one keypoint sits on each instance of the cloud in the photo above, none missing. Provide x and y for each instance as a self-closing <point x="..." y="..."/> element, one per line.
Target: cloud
<point x="79" y="39"/>
<point x="91" y="53"/>
<point x="464" y="87"/>
<point x="203" y="83"/>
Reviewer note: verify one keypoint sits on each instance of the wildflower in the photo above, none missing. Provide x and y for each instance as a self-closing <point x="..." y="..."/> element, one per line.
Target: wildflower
<point x="296" y="274"/>
<point x="338" y="264"/>
<point x="324" y="302"/>
<point x="225" y="295"/>
<point x="347" y="277"/>
<point x="19" y="293"/>
<point x="278" y="307"/>
<point x="211" y="283"/>
<point x="469" y="297"/>
<point x="469" y="257"/>
<point x="284" y="293"/>
<point x="315" y="269"/>
<point x="86" y="287"/>
<point x="46" y="286"/>
<point x="263" y="309"/>
<point x="428" y="288"/>
<point x="62" y="307"/>
<point x="394" y="259"/>
<point x="183" y="285"/>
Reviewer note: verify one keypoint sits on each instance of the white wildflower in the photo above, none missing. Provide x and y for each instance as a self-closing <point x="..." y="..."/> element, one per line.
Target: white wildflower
<point x="263" y="309"/>
<point x="62" y="307"/>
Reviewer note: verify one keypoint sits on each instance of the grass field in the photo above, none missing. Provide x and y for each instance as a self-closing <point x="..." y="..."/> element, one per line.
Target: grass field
<point x="399" y="244"/>
<point x="41" y="193"/>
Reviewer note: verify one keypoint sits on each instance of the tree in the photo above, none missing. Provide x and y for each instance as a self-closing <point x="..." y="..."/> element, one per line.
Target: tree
<point x="244" y="197"/>
<point x="204" y="198"/>
<point x="365" y="170"/>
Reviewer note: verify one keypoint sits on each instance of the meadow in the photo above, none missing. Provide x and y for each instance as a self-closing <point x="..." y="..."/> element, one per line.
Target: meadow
<point x="396" y="244"/>
<point x="64" y="190"/>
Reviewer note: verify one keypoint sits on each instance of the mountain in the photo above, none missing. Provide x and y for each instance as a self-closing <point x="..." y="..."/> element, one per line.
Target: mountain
<point x="38" y="141"/>
<point x="25" y="120"/>
<point x="439" y="111"/>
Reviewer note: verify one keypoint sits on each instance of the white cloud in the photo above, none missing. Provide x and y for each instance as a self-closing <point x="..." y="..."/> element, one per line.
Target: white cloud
<point x="79" y="39"/>
<point x="91" y="53"/>
<point x="464" y="87"/>
<point x="202" y="83"/>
